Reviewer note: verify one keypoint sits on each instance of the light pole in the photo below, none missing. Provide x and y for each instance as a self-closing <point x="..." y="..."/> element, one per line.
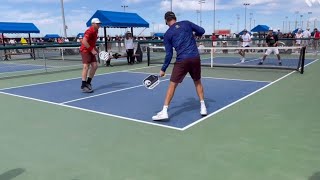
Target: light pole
<point x="214" y="15"/>
<point x="201" y="2"/>
<point x="289" y="26"/>
<point x="124" y="7"/>
<point x="238" y="18"/>
<point x="231" y="24"/>
<point x="301" y="22"/>
<point x="245" y="14"/>
<point x="171" y="5"/>
<point x="308" y="22"/>
<point x="153" y="27"/>
<point x="250" y="27"/>
<point x="286" y="28"/>
<point x="198" y="12"/>
<point x="63" y="20"/>
<point x="296" y="23"/>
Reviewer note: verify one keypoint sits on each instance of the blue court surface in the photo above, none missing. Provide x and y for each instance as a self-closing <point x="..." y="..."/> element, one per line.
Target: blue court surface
<point x="122" y="95"/>
<point x="11" y="67"/>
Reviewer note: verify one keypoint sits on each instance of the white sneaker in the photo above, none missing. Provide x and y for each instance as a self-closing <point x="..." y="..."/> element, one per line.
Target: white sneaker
<point x="242" y="60"/>
<point x="203" y="111"/>
<point x="162" y="115"/>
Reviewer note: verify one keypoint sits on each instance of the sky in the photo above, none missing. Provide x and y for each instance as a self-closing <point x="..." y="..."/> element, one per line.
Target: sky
<point x="229" y="14"/>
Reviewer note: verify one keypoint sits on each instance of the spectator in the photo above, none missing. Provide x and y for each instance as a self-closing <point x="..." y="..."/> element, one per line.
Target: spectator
<point x="298" y="37"/>
<point x="316" y="37"/>
<point x="306" y="35"/>
<point x="128" y="42"/>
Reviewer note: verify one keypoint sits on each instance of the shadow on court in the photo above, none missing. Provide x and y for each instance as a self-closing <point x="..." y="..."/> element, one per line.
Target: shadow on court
<point x="11" y="174"/>
<point x="119" y="85"/>
<point x="315" y="176"/>
<point x="188" y="105"/>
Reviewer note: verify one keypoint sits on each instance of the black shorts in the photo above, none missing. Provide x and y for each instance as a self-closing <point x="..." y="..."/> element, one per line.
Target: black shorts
<point x="181" y="68"/>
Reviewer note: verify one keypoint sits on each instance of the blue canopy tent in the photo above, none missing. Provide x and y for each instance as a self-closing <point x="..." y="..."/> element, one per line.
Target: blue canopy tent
<point x="296" y="30"/>
<point x="241" y="33"/>
<point x="51" y="36"/>
<point x="80" y="35"/>
<point x="158" y="35"/>
<point x="260" y="28"/>
<point x="118" y="19"/>
<point x="15" y="27"/>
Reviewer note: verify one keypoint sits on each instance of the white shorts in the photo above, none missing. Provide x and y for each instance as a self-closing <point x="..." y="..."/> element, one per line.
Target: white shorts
<point x="269" y="51"/>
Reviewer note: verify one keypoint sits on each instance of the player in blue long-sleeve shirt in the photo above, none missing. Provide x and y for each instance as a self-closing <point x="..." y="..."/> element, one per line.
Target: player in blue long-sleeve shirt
<point x="180" y="36"/>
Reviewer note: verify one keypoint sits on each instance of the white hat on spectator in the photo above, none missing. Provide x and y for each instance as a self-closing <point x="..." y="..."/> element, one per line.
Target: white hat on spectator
<point x="95" y="21"/>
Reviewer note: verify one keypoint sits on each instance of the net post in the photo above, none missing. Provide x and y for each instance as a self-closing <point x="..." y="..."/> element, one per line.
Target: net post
<point x="62" y="52"/>
<point x="303" y="51"/>
<point x="45" y="59"/>
<point x="211" y="57"/>
<point x="148" y="55"/>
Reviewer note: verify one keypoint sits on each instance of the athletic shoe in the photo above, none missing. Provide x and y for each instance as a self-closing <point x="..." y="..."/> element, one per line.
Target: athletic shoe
<point x="242" y="60"/>
<point x="260" y="63"/>
<point x="85" y="89"/>
<point x="280" y="63"/>
<point x="203" y="111"/>
<point x="162" y="115"/>
<point x="89" y="86"/>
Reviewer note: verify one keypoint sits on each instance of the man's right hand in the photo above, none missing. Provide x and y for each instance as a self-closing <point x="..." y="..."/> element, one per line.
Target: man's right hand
<point x="94" y="52"/>
<point x="162" y="74"/>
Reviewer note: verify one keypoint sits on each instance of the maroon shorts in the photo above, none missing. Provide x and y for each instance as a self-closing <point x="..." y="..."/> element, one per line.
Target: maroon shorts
<point x="181" y="68"/>
<point x="88" y="57"/>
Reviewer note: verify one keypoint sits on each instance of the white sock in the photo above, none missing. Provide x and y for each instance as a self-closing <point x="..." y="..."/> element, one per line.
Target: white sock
<point x="202" y="103"/>
<point x="165" y="108"/>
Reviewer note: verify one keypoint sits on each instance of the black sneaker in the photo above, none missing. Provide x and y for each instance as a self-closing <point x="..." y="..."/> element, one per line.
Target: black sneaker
<point x="280" y="63"/>
<point x="260" y="63"/>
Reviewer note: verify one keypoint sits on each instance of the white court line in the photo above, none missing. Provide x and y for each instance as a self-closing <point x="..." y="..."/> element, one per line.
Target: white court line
<point x="227" y="79"/>
<point x="247" y="61"/>
<point x="109" y="92"/>
<point x="128" y="70"/>
<point x="11" y="64"/>
<point x="11" y="72"/>
<point x="245" y="97"/>
<point x="87" y="110"/>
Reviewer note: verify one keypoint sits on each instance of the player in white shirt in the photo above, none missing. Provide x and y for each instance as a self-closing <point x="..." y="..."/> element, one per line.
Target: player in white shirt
<point x="306" y="34"/>
<point x="245" y="39"/>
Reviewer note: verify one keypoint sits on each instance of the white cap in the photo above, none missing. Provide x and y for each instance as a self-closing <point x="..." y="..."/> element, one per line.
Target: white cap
<point x="95" y="21"/>
<point x="270" y="29"/>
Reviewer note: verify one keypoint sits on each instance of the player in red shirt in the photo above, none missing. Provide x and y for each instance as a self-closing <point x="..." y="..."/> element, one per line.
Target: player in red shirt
<point x="88" y="52"/>
<point x="316" y="40"/>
